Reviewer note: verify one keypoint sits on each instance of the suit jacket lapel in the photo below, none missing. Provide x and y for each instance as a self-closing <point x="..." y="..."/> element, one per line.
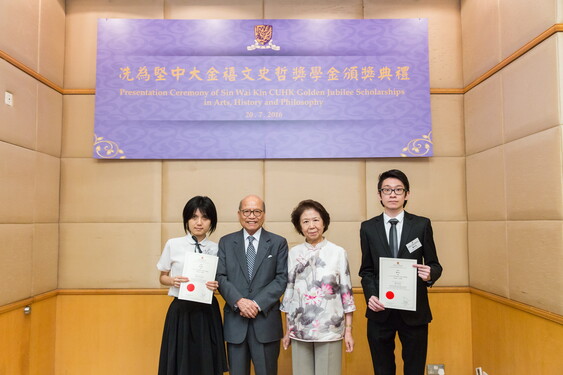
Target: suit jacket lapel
<point x="407" y="226"/>
<point x="382" y="234"/>
<point x="262" y="251"/>
<point x="240" y="252"/>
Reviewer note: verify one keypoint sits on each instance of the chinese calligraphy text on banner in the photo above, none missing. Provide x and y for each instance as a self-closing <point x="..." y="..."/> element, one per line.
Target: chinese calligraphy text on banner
<point x="258" y="89"/>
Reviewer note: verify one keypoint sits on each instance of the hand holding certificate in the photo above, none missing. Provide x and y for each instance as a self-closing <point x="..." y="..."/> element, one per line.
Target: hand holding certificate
<point x="198" y="268"/>
<point x="397" y="283"/>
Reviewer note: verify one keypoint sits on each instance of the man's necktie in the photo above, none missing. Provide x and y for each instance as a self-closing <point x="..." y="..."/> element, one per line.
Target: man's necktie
<point x="197" y="247"/>
<point x="250" y="256"/>
<point x="393" y="243"/>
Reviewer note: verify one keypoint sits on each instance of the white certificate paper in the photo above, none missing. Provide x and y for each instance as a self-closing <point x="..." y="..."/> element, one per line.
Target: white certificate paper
<point x="199" y="269"/>
<point x="397" y="283"/>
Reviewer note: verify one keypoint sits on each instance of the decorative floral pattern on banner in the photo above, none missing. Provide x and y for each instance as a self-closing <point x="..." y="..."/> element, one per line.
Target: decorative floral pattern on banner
<point x="106" y="149"/>
<point x="418" y="147"/>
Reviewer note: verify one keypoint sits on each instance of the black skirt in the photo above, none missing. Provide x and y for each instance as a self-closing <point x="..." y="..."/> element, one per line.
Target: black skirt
<point x="192" y="342"/>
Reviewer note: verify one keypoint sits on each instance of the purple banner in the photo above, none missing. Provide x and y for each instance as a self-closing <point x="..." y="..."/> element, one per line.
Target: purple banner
<point x="258" y="89"/>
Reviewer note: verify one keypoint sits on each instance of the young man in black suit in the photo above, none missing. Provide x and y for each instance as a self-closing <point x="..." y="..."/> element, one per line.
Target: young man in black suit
<point x="414" y="240"/>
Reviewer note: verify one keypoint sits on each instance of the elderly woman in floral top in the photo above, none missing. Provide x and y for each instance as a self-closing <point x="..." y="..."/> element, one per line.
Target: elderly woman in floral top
<point x="318" y="300"/>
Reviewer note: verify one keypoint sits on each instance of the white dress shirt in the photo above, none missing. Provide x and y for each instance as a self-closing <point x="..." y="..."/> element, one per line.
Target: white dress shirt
<point x="401" y="218"/>
<point x="174" y="255"/>
<point x="256" y="239"/>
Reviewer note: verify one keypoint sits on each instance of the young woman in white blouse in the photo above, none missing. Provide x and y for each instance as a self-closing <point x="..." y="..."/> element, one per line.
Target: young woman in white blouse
<point x="318" y="300"/>
<point x="192" y="342"/>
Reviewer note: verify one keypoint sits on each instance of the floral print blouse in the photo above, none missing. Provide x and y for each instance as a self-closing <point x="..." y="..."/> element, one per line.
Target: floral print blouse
<point x="318" y="293"/>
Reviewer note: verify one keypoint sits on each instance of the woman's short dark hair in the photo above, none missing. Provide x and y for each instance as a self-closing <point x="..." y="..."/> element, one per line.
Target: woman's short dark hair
<point x="306" y="205"/>
<point x="207" y="208"/>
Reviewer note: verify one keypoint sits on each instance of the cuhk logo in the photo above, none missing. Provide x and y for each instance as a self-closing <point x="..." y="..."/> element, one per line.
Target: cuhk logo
<point x="263" y="38"/>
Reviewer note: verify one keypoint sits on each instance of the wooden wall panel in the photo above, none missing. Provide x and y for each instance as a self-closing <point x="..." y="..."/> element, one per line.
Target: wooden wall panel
<point x="42" y="337"/>
<point x="14" y="342"/>
<point x="119" y="332"/>
<point x="510" y="341"/>
<point x="125" y="332"/>
<point x="449" y="340"/>
<point x="109" y="334"/>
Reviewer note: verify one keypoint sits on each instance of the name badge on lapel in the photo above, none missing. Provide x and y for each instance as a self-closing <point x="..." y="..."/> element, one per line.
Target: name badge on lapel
<point x="413" y="245"/>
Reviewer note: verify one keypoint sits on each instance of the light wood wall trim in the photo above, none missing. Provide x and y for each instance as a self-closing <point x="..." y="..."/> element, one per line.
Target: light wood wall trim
<point x="15" y="305"/>
<point x="163" y="291"/>
<point x="521" y="51"/>
<point x="24" y="68"/>
<point x="436" y="289"/>
<point x="357" y="291"/>
<point x="447" y="91"/>
<point x="106" y="292"/>
<point x="449" y="289"/>
<point x="44" y="296"/>
<point x="24" y="302"/>
<point x="519" y="306"/>
<point x="79" y="91"/>
<point x="437" y="91"/>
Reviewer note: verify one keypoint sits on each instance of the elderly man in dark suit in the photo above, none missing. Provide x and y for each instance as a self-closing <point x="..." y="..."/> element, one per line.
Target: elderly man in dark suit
<point x="399" y="234"/>
<point x="252" y="276"/>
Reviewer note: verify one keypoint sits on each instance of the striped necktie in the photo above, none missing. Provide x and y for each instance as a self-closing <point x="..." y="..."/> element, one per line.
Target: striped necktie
<point x="250" y="256"/>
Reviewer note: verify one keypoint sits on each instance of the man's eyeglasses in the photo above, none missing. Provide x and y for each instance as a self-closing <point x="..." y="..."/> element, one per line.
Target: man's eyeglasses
<point x="388" y="191"/>
<point x="256" y="213"/>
